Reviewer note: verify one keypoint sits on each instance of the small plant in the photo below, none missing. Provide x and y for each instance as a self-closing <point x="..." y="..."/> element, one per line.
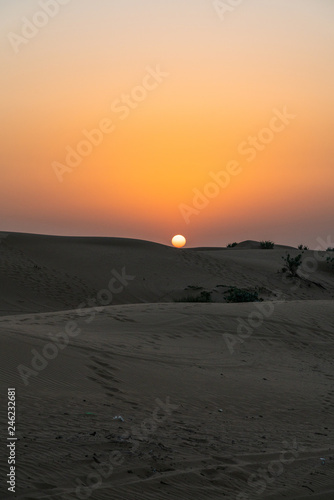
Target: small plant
<point x="292" y="264"/>
<point x="241" y="295"/>
<point x="193" y="287"/>
<point x="203" y="297"/>
<point x="303" y="247"/>
<point x="330" y="260"/>
<point x="267" y="244"/>
<point x="231" y="245"/>
<point x="330" y="249"/>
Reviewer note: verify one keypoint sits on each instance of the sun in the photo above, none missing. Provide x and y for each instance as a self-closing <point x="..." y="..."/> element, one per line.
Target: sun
<point x="178" y="241"/>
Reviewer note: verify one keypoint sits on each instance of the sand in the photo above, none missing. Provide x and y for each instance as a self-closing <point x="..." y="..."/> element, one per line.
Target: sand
<point x="217" y="400"/>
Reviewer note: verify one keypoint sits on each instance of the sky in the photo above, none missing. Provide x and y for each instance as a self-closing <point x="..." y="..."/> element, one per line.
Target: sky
<point x="145" y="119"/>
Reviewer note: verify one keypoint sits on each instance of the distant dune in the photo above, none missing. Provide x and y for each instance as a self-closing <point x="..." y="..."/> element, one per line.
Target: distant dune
<point x="50" y="273"/>
<point x="255" y="245"/>
<point x="246" y="245"/>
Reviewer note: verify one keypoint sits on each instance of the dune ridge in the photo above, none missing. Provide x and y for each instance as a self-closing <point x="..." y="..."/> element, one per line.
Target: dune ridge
<point x="51" y="273"/>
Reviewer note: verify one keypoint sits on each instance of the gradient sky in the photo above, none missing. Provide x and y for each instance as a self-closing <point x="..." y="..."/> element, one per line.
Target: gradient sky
<point x="226" y="74"/>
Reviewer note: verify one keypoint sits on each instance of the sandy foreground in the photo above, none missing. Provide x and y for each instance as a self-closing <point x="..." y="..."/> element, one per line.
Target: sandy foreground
<point x="217" y="400"/>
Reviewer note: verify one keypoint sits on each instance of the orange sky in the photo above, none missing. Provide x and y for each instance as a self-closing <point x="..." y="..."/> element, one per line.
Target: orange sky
<point x="218" y="82"/>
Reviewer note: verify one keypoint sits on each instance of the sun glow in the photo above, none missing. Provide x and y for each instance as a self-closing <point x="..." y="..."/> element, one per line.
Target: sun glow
<point x="178" y="241"/>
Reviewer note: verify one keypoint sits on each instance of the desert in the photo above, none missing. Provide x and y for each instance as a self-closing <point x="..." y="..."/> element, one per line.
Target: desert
<point x="152" y="395"/>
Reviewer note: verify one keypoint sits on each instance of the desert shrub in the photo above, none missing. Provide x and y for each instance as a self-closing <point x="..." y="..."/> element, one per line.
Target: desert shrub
<point x="231" y="245"/>
<point x="203" y="297"/>
<point x="267" y="244"/>
<point x="330" y="261"/>
<point x="330" y="249"/>
<point x="303" y="247"/>
<point x="292" y="264"/>
<point x="241" y="295"/>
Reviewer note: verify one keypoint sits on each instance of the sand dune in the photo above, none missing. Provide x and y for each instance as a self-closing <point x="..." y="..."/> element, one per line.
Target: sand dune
<point x="276" y="387"/>
<point x="218" y="400"/>
<point x="48" y="273"/>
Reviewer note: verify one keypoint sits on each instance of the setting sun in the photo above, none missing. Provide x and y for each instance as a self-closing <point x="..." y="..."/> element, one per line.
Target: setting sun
<point x="178" y="241"/>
